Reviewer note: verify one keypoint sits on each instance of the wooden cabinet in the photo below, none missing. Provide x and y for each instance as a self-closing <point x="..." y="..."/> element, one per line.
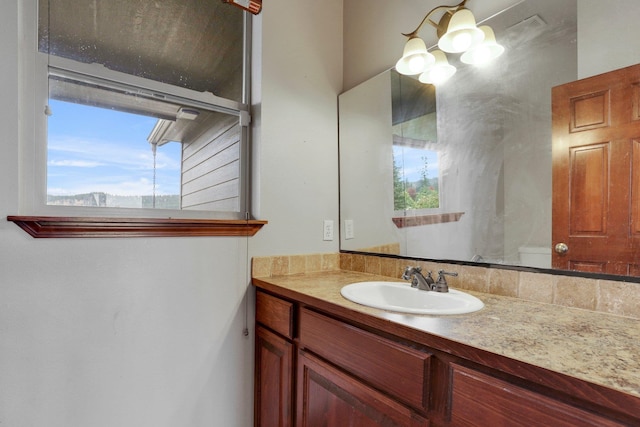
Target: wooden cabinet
<point x="328" y="397"/>
<point x="400" y="371"/>
<point x="315" y="368"/>
<point x="274" y="362"/>
<point x="274" y="380"/>
<point x="275" y="313"/>
<point x="480" y="400"/>
<point x="345" y="376"/>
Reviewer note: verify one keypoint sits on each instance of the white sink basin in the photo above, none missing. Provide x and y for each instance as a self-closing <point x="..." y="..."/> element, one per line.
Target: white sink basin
<point x="401" y="297"/>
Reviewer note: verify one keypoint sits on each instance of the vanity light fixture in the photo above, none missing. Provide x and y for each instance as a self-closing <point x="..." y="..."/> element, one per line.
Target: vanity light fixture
<point x="484" y="52"/>
<point x="461" y="31"/>
<point x="439" y="72"/>
<point x="457" y="33"/>
<point x="415" y="57"/>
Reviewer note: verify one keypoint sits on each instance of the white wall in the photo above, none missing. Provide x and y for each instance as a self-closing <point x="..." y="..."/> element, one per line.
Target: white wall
<point x="130" y="333"/>
<point x="527" y="144"/>
<point x="296" y="145"/>
<point x="148" y="332"/>
<point x="365" y="181"/>
<point x="607" y="36"/>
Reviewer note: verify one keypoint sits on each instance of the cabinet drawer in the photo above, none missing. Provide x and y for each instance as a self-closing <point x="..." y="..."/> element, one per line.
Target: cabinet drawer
<point x="482" y="400"/>
<point x="398" y="370"/>
<point x="329" y="397"/>
<point x="275" y="313"/>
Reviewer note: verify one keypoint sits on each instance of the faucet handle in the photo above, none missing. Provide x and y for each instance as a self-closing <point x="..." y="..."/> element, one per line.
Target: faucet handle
<point x="429" y="275"/>
<point x="409" y="271"/>
<point x="441" y="284"/>
<point x="442" y="273"/>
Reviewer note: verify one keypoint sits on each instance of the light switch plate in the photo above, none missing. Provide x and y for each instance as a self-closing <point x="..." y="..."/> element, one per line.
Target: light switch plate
<point x="348" y="229"/>
<point x="328" y="230"/>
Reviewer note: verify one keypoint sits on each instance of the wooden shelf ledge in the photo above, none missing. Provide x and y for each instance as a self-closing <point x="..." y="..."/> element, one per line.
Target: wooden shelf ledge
<point x="57" y="227"/>
<point x="414" y="221"/>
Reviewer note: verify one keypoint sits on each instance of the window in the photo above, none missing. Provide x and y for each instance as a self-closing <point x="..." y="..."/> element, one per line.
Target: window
<point x="415" y="178"/>
<point x="86" y="165"/>
<point x="416" y="171"/>
<point x="146" y="107"/>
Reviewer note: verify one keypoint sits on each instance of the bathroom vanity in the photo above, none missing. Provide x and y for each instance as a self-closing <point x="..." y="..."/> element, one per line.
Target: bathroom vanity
<point x="322" y="360"/>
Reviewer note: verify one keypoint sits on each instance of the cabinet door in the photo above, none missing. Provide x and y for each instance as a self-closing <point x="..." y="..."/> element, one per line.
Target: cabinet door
<point x="480" y="400"/>
<point x="327" y="397"/>
<point x="273" y="380"/>
<point x="396" y="369"/>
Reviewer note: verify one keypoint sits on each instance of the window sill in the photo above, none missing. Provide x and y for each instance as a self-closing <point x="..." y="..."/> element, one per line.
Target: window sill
<point x="57" y="227"/>
<point x="415" y="221"/>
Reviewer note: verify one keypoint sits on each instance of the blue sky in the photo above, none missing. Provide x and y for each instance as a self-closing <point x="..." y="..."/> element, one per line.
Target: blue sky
<point x="96" y="149"/>
<point x="411" y="160"/>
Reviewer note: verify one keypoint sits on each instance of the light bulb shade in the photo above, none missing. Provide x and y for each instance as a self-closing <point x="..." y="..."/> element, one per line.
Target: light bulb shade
<point x="415" y="57"/>
<point x="461" y="34"/>
<point x="439" y="72"/>
<point x="486" y="51"/>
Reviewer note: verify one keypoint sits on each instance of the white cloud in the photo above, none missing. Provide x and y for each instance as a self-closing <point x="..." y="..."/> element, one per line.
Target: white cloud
<point x="106" y="153"/>
<point x="75" y="163"/>
<point x="120" y="188"/>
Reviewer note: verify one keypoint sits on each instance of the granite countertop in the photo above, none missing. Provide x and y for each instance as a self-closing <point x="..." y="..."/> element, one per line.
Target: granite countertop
<point x="596" y="347"/>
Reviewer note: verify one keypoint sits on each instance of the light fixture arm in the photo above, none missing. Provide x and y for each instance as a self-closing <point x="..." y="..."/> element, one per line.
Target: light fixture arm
<point x="450" y="10"/>
<point x="457" y="32"/>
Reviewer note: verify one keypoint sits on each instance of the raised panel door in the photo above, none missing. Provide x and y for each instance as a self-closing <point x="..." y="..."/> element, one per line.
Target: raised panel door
<point x="273" y="380"/>
<point x="596" y="173"/>
<point x="328" y="397"/>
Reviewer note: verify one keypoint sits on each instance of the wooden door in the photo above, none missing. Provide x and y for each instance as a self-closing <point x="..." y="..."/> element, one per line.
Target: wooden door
<point x="596" y="173"/>
<point x="273" y="380"/>
<point x="327" y="397"/>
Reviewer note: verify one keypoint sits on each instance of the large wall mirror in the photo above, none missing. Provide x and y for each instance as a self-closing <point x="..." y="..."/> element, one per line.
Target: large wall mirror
<point x="463" y="172"/>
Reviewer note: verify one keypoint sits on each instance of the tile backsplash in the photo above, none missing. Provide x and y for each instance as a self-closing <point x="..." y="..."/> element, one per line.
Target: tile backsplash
<point x="294" y="264"/>
<point x="608" y="296"/>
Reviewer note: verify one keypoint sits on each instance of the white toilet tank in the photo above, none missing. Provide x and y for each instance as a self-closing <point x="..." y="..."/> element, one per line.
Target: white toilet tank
<point x="535" y="256"/>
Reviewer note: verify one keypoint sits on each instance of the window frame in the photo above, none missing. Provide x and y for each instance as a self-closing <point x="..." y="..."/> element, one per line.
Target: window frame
<point x="33" y="209"/>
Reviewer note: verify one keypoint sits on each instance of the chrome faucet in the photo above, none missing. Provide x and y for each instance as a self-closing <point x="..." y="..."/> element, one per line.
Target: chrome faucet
<point x="417" y="279"/>
<point x="441" y="284"/>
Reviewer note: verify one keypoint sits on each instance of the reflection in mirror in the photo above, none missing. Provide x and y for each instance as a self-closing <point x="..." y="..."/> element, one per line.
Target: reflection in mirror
<point x="491" y="145"/>
<point x="416" y="178"/>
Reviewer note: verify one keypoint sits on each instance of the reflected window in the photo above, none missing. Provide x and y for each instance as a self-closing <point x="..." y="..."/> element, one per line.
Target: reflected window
<point x="416" y="171"/>
<point x="416" y="182"/>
